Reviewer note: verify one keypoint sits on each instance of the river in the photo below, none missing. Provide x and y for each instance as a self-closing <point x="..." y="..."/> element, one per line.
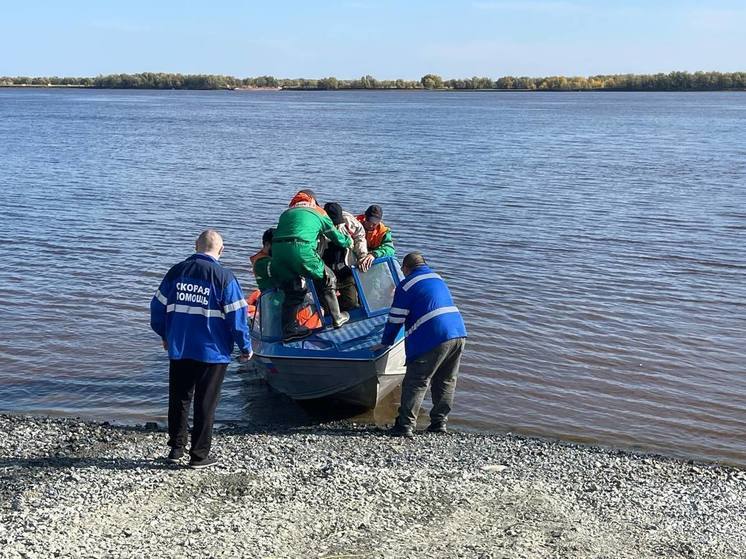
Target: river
<point x="594" y="242"/>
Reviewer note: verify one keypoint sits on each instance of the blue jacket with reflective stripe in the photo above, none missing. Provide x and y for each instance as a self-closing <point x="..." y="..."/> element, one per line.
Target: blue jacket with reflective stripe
<point x="423" y="305"/>
<point x="200" y="311"/>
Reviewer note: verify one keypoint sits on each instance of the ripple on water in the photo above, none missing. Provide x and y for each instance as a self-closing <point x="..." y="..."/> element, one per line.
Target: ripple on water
<point x="593" y="243"/>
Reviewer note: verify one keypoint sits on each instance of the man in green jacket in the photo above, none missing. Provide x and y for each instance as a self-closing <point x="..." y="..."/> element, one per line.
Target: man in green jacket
<point x="260" y="262"/>
<point x="295" y="256"/>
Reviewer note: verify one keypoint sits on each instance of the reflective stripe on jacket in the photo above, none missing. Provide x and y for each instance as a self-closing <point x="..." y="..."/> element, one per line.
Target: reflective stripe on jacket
<point x="200" y="311"/>
<point x="424" y="307"/>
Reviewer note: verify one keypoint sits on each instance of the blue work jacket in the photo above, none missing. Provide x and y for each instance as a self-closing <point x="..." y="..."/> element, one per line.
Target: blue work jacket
<point x="424" y="308"/>
<point x="200" y="310"/>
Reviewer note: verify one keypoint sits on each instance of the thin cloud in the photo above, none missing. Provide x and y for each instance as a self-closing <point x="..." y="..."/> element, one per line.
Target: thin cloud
<point x="120" y="27"/>
<point x="533" y="6"/>
<point x="714" y="19"/>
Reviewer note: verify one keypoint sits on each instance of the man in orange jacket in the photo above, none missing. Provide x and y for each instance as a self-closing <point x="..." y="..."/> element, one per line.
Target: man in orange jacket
<point x="377" y="235"/>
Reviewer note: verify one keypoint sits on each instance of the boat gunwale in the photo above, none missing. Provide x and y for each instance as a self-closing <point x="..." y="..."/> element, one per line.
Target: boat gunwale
<point x="328" y="358"/>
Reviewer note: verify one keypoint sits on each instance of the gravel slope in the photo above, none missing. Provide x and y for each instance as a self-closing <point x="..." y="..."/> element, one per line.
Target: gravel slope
<point x="76" y="489"/>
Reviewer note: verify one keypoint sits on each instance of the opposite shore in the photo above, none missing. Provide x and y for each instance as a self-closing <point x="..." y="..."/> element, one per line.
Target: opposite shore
<point x="84" y="489"/>
<point x="446" y="90"/>
<point x="672" y="81"/>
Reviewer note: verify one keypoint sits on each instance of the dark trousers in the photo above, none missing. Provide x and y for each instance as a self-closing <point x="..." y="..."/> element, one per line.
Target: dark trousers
<point x="348" y="298"/>
<point x="295" y="297"/>
<point x="326" y="287"/>
<point x="438" y="368"/>
<point x="187" y="378"/>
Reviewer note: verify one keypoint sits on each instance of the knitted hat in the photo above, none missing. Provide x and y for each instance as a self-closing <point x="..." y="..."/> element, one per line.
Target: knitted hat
<point x="334" y="210"/>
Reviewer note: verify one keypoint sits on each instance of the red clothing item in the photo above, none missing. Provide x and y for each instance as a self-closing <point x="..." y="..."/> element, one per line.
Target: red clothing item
<point x="303" y="200"/>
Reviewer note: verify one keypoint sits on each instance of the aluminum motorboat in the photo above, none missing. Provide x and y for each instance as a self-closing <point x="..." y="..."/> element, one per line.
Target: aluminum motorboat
<point x="334" y="363"/>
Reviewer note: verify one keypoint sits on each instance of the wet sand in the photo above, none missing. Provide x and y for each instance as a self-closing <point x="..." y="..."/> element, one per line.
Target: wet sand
<point x="72" y="488"/>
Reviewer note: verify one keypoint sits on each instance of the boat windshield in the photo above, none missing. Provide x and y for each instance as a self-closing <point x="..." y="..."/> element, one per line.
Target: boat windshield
<point x="376" y="286"/>
<point x="270" y="313"/>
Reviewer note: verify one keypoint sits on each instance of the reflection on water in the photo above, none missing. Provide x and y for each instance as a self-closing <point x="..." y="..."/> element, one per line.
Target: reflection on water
<point x="593" y="242"/>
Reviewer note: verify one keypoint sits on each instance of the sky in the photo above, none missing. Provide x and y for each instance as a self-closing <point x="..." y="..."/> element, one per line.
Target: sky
<point x="385" y="38"/>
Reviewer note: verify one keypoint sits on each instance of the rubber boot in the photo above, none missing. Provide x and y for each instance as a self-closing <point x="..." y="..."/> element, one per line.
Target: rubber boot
<point x="330" y="302"/>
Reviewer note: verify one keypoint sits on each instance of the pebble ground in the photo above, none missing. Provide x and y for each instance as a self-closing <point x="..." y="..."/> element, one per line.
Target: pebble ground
<point x="71" y="488"/>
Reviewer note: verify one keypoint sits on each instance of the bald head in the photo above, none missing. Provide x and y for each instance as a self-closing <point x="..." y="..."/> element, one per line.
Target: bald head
<point x="412" y="261"/>
<point x="210" y="242"/>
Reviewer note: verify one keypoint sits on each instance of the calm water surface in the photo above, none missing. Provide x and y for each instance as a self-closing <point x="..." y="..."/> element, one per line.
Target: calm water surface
<point x="595" y="244"/>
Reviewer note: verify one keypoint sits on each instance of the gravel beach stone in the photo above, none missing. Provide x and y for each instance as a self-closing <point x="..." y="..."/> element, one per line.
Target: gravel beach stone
<point x="71" y="488"/>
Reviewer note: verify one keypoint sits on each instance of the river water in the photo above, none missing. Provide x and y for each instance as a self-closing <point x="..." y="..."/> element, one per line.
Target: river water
<point x="594" y="242"/>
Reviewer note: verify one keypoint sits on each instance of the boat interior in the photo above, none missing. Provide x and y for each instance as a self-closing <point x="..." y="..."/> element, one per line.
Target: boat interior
<point x="375" y="291"/>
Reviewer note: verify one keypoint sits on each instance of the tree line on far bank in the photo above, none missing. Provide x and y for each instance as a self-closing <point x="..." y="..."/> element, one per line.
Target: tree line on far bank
<point x="673" y="81"/>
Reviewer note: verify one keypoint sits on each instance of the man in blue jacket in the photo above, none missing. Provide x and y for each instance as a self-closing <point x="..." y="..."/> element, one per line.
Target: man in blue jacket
<point x="199" y="312"/>
<point x="435" y="337"/>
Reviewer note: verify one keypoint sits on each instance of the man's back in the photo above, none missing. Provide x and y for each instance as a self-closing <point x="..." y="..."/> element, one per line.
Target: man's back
<point x="199" y="310"/>
<point x="304" y="224"/>
<point x="424" y="306"/>
<point x="434" y="343"/>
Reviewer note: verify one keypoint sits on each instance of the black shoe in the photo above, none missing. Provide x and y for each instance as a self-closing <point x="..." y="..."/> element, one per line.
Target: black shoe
<point x="204" y="463"/>
<point x="437" y="428"/>
<point x="399" y="431"/>
<point x="297" y="333"/>
<point x="176" y="454"/>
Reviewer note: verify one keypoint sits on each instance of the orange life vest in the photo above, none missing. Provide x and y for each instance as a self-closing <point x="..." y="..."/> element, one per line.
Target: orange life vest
<point x="258" y="256"/>
<point x="306" y="317"/>
<point x="374" y="238"/>
<point x="251" y="300"/>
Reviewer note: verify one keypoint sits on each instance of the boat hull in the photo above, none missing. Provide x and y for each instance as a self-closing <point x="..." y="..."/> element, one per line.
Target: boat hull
<point x="355" y="382"/>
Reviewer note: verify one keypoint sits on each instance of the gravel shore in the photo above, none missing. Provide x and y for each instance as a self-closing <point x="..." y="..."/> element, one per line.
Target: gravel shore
<point x="70" y="488"/>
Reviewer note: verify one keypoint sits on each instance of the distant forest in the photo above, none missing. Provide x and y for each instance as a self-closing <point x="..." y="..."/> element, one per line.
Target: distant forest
<point x="673" y="81"/>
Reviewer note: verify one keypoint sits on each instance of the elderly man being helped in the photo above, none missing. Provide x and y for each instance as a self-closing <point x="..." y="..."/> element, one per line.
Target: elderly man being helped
<point x="341" y="260"/>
